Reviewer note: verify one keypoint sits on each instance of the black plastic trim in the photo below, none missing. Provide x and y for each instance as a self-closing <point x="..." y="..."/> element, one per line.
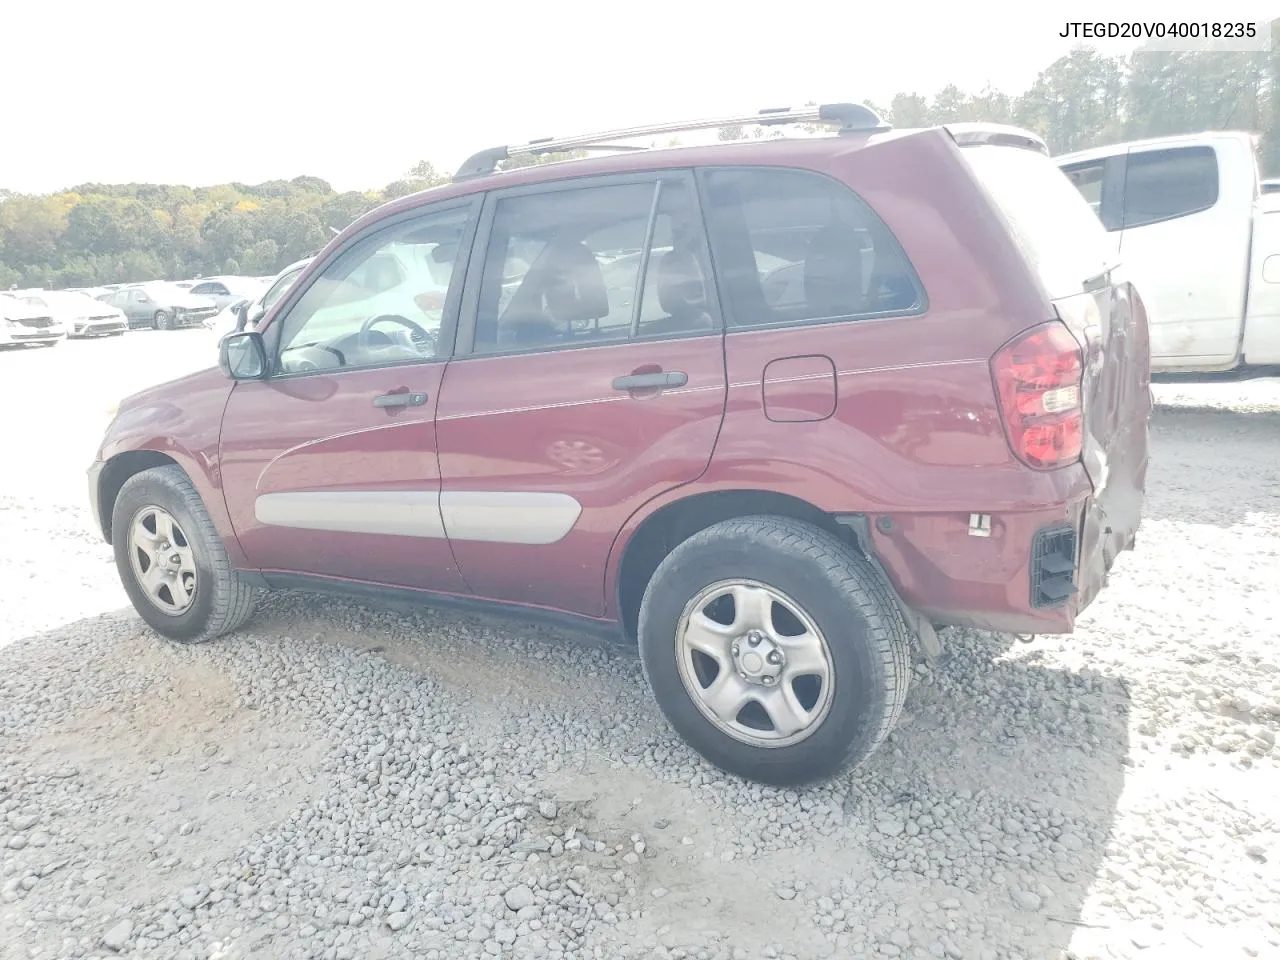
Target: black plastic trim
<point x="1053" y="566"/>
<point x="610" y="630"/>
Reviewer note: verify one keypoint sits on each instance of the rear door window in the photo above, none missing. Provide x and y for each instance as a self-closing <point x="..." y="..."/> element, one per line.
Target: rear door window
<point x="597" y="262"/>
<point x="792" y="246"/>
<point x="1088" y="179"/>
<point x="1062" y="239"/>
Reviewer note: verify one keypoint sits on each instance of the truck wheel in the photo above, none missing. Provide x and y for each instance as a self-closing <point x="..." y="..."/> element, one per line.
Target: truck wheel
<point x="161" y="321"/>
<point x="774" y="649"/>
<point x="172" y="562"/>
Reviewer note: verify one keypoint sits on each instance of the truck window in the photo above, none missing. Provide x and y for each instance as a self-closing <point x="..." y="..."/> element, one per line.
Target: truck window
<point x="1087" y="178"/>
<point x="1165" y="184"/>
<point x="1059" y="235"/>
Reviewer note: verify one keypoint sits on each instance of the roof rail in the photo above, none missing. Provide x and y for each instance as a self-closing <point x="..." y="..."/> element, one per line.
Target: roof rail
<point x="851" y="118"/>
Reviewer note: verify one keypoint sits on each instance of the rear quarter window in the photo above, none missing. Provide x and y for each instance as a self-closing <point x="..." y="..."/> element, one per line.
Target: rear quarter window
<point x="793" y="246"/>
<point x="1056" y="229"/>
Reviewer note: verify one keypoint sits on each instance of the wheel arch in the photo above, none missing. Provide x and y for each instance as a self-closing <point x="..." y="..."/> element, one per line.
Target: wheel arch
<point x="116" y="472"/>
<point x="649" y="537"/>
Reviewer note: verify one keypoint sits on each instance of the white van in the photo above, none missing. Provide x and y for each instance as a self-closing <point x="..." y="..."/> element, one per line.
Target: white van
<point x="1187" y="217"/>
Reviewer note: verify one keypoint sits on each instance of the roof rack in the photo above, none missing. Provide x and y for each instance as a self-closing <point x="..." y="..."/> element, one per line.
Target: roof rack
<point x="851" y="118"/>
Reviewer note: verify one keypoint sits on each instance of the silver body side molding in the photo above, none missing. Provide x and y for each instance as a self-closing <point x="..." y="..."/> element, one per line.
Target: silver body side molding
<point x="484" y="516"/>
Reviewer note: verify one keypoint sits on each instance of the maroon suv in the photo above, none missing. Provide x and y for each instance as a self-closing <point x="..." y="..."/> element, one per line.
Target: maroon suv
<point x="770" y="408"/>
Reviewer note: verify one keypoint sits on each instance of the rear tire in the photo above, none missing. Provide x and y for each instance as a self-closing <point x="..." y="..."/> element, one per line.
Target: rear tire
<point x="172" y="562"/>
<point x="830" y="624"/>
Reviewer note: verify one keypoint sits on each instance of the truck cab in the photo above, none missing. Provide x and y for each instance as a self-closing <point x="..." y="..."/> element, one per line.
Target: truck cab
<point x="1188" y="218"/>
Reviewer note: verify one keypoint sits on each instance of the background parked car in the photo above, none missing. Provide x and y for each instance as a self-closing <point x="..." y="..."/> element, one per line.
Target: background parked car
<point x="161" y="306"/>
<point x="1187" y="217"/>
<point x="225" y="291"/>
<point x="23" y="323"/>
<point x="80" y="314"/>
<point x="225" y="322"/>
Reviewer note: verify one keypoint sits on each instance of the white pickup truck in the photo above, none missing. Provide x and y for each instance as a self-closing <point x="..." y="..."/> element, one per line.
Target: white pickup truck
<point x="1191" y="224"/>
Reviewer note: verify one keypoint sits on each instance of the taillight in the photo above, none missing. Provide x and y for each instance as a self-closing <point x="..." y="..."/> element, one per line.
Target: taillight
<point x="1037" y="378"/>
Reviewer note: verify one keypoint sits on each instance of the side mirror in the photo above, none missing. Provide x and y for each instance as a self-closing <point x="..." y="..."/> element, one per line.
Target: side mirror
<point x="243" y="356"/>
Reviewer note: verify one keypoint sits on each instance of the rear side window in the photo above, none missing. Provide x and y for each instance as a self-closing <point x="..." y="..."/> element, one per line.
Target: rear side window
<point x="594" y="263"/>
<point x="1165" y="184"/>
<point x="1057" y="231"/>
<point x="796" y="247"/>
<point x="1088" y="179"/>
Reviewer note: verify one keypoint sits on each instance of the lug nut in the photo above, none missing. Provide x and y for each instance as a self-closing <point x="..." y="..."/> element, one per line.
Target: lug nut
<point x="767" y="680"/>
<point x="773" y="657"/>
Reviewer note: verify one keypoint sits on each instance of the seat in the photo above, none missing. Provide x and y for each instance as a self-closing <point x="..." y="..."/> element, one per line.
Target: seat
<point x="833" y="272"/>
<point x="682" y="294"/>
<point x="564" y="286"/>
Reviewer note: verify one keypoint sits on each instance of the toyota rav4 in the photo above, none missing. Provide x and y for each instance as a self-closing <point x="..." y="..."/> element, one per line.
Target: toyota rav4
<point x="774" y="410"/>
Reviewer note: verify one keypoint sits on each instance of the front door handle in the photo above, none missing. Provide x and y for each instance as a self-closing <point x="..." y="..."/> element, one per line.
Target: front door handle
<point x="405" y="399"/>
<point x="651" y="381"/>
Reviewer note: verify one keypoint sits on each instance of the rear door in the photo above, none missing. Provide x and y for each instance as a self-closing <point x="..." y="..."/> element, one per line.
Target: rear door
<point x="137" y="306"/>
<point x="591" y="379"/>
<point x="1186" y="234"/>
<point x="1069" y="249"/>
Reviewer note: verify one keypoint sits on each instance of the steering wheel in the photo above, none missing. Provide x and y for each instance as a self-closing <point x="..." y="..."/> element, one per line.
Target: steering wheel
<point x="424" y="339"/>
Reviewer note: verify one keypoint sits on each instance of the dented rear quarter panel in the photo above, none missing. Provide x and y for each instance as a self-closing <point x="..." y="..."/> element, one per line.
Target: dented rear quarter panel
<point x="916" y="433"/>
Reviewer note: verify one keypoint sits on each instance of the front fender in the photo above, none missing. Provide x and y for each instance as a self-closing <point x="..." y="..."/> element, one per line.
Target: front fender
<point x="180" y="421"/>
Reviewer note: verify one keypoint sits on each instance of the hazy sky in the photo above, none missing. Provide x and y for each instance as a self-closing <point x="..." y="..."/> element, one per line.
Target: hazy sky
<point x="202" y="92"/>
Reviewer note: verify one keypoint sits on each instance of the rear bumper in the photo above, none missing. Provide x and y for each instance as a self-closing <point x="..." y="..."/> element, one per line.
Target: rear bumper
<point x="1035" y="572"/>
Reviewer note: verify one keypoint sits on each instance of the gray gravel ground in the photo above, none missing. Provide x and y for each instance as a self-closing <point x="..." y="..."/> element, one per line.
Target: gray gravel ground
<point x="344" y="781"/>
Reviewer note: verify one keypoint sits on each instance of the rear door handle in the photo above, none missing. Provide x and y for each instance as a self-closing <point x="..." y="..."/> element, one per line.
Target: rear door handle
<point x="400" y="400"/>
<point x="650" y="381"/>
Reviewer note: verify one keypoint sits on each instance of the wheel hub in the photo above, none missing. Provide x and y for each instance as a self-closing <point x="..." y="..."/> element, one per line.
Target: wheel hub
<point x="170" y="563"/>
<point x="757" y="659"/>
<point x="162" y="560"/>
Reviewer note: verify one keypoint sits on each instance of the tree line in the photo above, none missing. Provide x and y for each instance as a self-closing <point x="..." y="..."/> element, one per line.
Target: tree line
<point x="105" y="233"/>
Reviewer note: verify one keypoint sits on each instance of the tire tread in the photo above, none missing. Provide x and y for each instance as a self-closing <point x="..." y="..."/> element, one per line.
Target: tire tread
<point x="845" y="570"/>
<point x="233" y="599"/>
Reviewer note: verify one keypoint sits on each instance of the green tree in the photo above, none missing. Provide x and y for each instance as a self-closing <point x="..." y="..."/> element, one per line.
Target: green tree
<point x="1078" y="102"/>
<point x="108" y="233"/>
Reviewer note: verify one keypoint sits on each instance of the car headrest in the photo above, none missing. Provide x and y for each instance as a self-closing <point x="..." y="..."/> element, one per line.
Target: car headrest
<point x="682" y="289"/>
<point x="571" y="282"/>
<point x="833" y="271"/>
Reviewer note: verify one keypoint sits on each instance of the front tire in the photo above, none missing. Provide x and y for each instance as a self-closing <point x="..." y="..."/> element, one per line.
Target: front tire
<point x="172" y="562"/>
<point x="162" y="321"/>
<point x="774" y="649"/>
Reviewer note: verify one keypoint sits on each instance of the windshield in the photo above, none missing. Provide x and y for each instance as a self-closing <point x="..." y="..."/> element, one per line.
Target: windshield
<point x="1058" y="232"/>
<point x="281" y="285"/>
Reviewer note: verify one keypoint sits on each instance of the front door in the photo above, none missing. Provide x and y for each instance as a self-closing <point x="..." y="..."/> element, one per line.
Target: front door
<point x="329" y="466"/>
<point x="137" y="306"/>
<point x="594" y="381"/>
